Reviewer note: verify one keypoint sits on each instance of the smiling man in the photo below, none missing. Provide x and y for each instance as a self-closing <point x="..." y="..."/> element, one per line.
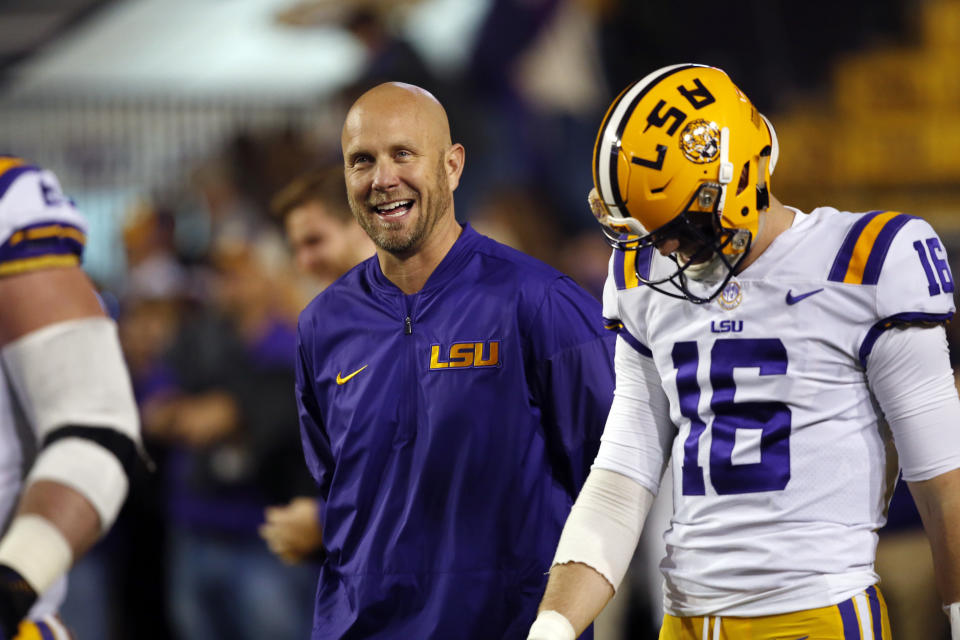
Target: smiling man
<point x="452" y="392"/>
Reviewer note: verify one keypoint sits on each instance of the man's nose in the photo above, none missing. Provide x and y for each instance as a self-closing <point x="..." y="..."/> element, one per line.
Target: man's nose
<point x="385" y="176"/>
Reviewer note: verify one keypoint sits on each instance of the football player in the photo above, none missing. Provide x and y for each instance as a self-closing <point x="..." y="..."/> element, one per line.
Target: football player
<point x="774" y="354"/>
<point x="64" y="372"/>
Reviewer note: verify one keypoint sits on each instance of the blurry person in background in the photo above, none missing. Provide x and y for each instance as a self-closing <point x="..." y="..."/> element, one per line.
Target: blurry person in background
<point x="62" y="360"/>
<point x="229" y="420"/>
<point x="326" y="241"/>
<point x="323" y="235"/>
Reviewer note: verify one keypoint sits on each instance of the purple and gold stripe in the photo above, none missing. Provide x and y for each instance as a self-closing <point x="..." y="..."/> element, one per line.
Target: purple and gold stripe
<point x="852" y="616"/>
<point x="35" y="630"/>
<point x="865" y="247"/>
<point x="629" y="263"/>
<point x="612" y="325"/>
<point x="625" y="268"/>
<point x="616" y="325"/>
<point x="41" y="246"/>
<point x="46" y="231"/>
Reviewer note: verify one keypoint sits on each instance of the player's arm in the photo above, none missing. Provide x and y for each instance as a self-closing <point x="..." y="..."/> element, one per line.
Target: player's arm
<point x="63" y="358"/>
<point x="938" y="501"/>
<point x="604" y="525"/>
<point x="910" y="375"/>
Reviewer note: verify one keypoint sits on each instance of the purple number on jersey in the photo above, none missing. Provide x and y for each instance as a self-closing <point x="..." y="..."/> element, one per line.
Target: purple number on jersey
<point x="772" y="419"/>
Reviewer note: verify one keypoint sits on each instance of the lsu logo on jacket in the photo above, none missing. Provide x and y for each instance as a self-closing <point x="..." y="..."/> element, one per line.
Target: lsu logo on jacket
<point x="462" y="355"/>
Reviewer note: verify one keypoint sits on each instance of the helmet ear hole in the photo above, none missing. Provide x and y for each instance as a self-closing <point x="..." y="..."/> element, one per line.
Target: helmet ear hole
<point x="744" y="177"/>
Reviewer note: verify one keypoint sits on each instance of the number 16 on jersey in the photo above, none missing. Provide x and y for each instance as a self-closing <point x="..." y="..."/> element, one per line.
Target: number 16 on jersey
<point x="771" y="420"/>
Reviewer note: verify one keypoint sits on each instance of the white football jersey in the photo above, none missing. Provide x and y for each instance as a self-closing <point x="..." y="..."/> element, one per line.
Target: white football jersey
<point x="39" y="229"/>
<point x="779" y="461"/>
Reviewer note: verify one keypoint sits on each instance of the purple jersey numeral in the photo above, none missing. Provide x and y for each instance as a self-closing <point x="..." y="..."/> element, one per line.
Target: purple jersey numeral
<point x="772" y="419"/>
<point x="940" y="270"/>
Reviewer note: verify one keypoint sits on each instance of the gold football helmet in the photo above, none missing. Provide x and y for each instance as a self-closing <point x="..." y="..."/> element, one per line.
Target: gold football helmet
<point x="684" y="155"/>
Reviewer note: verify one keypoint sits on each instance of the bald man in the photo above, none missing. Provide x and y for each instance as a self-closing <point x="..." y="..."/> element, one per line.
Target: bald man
<point x="452" y="392"/>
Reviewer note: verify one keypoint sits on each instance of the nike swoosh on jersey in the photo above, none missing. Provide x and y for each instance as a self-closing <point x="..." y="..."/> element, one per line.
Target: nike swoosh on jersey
<point x="344" y="379"/>
<point x="792" y="299"/>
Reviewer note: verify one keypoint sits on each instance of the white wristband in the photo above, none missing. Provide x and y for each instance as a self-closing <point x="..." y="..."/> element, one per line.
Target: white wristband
<point x="37" y="550"/>
<point x="551" y="625"/>
<point x="953" y="611"/>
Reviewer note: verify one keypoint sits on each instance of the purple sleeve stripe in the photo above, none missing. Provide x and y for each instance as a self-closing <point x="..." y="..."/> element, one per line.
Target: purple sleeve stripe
<point x="45" y="631"/>
<point x="878" y="253"/>
<point x="59" y="247"/>
<point x="633" y="342"/>
<point x="51" y="223"/>
<point x="7" y="178"/>
<point x="64" y="247"/>
<point x="842" y="261"/>
<point x="612" y="325"/>
<point x="875" y="616"/>
<point x="618" y="259"/>
<point x="899" y="319"/>
<point x="46" y="233"/>
<point x="644" y="260"/>
<point x="848" y="615"/>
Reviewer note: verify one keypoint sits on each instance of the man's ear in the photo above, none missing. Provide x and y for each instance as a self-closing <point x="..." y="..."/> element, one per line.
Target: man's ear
<point x="453" y="163"/>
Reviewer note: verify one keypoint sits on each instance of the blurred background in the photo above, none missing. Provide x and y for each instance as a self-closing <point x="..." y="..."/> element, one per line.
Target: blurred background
<point x="174" y="123"/>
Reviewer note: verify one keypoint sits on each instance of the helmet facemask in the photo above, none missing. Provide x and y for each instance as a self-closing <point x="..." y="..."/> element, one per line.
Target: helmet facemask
<point x="706" y="252"/>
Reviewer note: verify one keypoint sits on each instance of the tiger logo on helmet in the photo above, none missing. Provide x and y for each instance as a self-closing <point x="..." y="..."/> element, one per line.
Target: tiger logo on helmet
<point x="684" y="155"/>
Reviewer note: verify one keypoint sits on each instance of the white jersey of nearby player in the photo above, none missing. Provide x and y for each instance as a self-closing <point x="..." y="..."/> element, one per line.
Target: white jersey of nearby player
<point x="780" y="465"/>
<point x="39" y="229"/>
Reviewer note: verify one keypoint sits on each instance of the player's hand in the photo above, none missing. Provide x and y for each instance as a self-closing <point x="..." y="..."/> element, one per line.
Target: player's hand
<point x="293" y="531"/>
<point x="16" y="598"/>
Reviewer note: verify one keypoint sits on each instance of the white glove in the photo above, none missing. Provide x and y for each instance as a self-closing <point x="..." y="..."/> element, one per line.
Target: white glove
<point x="552" y="625"/>
<point x="953" y="611"/>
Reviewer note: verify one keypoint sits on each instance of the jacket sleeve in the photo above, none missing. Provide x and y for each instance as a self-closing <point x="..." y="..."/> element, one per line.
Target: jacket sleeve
<point x="572" y="378"/>
<point x="313" y="434"/>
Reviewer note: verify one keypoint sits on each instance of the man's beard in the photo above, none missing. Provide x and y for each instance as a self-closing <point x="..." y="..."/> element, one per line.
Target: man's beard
<point x="387" y="236"/>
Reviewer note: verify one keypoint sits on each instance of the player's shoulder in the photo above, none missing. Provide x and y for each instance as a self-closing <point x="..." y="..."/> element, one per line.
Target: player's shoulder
<point x="865" y="247"/>
<point x="39" y="225"/>
<point x="895" y="258"/>
<point x="26" y="186"/>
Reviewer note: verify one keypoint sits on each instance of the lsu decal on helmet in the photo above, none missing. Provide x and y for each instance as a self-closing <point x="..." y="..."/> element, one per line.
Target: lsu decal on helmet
<point x="683" y="160"/>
